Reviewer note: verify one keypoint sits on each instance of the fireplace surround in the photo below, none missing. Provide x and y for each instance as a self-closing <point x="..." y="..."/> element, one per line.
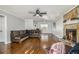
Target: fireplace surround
<point x="71" y="32"/>
<point x="71" y="35"/>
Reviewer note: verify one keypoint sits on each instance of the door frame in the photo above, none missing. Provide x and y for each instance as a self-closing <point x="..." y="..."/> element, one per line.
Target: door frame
<point x="5" y="28"/>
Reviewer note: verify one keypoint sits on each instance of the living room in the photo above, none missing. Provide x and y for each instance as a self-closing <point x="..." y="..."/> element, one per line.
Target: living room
<point x="34" y="29"/>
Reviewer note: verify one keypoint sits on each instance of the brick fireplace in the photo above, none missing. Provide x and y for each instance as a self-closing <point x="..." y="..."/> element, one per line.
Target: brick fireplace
<point x="71" y="32"/>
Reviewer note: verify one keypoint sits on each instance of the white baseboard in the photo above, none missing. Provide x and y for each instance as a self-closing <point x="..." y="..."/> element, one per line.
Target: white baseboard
<point x="7" y="42"/>
<point x="1" y="41"/>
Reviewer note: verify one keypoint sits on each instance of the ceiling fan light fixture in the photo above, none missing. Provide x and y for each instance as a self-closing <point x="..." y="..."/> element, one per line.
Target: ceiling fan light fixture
<point x="37" y="15"/>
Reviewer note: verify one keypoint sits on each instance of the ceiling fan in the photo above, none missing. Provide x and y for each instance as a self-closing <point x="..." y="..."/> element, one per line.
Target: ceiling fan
<point x="38" y="12"/>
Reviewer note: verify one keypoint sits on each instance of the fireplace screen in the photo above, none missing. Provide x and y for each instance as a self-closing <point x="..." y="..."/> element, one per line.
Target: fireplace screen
<point x="71" y="35"/>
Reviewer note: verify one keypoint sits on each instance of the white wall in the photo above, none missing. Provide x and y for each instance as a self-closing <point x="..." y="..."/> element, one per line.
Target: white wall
<point x="59" y="28"/>
<point x="29" y="24"/>
<point x="13" y="23"/>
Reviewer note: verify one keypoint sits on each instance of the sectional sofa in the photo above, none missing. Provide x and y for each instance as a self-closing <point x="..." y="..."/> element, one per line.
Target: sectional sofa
<point x="21" y="35"/>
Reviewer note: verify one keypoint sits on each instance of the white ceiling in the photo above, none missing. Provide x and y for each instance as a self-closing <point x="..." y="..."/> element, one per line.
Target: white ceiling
<point x="21" y="11"/>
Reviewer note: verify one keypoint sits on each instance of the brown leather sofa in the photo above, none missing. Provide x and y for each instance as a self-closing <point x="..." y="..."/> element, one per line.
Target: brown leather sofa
<point x="21" y="35"/>
<point x="18" y="36"/>
<point x="34" y="33"/>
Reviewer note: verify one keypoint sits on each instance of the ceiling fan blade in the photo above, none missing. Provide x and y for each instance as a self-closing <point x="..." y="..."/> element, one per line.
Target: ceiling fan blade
<point x="40" y="15"/>
<point x="43" y="13"/>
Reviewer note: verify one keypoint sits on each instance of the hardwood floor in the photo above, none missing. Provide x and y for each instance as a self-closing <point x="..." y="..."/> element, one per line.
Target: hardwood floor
<point x="2" y="47"/>
<point x="30" y="46"/>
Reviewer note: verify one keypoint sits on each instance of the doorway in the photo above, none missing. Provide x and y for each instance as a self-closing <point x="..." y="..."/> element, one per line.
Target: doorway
<point x="3" y="29"/>
<point x="44" y="28"/>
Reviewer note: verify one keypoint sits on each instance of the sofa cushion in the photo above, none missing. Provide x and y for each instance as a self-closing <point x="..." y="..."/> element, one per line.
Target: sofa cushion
<point x="17" y="37"/>
<point x="16" y="33"/>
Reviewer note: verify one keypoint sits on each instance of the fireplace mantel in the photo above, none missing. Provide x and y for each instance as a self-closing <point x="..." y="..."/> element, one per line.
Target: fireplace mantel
<point x="76" y="21"/>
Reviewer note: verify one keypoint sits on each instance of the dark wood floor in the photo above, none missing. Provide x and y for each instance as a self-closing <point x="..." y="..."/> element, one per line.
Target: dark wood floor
<point x="2" y="47"/>
<point x="29" y="46"/>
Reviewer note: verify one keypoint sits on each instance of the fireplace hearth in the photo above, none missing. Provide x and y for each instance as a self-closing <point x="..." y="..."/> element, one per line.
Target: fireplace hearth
<point x="71" y="35"/>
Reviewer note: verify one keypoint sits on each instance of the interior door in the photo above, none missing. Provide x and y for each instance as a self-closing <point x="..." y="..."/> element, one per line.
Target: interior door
<point x="0" y="28"/>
